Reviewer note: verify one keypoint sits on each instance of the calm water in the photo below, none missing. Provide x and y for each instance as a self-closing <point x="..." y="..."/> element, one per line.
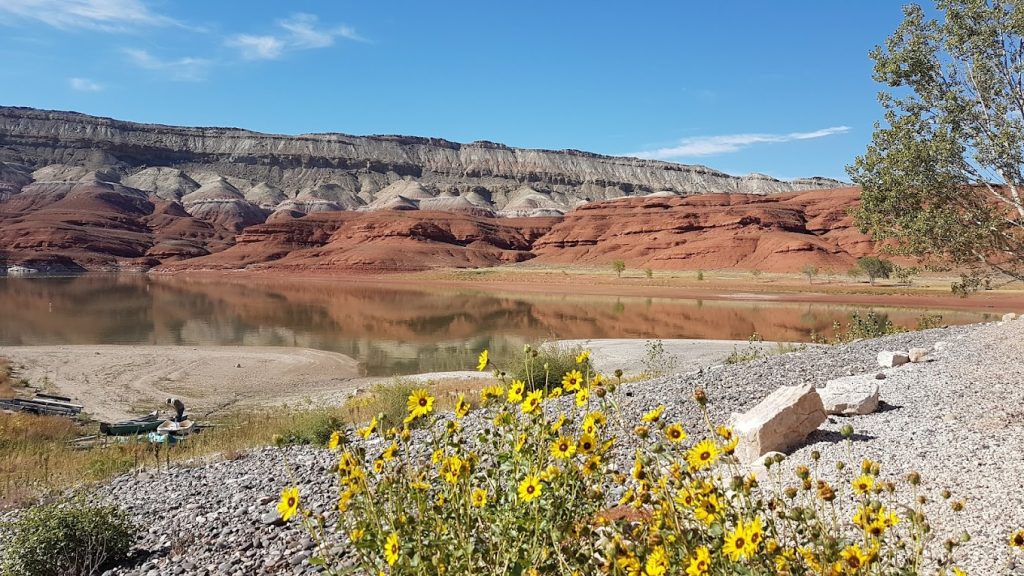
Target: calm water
<point x="390" y="330"/>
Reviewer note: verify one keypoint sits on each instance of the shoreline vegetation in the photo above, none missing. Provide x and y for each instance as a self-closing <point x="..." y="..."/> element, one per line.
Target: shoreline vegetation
<point x="43" y="454"/>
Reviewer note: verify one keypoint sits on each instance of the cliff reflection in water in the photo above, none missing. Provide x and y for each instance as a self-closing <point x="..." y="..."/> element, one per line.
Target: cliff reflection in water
<point x="390" y="330"/>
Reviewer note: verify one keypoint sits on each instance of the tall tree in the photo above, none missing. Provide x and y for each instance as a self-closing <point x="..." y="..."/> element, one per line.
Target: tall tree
<point x="943" y="176"/>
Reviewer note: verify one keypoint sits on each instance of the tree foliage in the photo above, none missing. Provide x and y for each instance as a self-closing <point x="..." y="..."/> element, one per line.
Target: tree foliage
<point x="875" y="267"/>
<point x="943" y="177"/>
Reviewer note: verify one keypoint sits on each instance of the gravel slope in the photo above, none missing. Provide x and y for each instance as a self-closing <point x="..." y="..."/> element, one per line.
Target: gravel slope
<point x="958" y="419"/>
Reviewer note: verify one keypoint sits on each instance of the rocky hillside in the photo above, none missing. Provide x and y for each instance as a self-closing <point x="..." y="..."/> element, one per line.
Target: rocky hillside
<point x="227" y="174"/>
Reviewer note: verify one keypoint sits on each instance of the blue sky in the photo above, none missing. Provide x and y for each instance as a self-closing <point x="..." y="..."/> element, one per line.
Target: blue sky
<point x="782" y="88"/>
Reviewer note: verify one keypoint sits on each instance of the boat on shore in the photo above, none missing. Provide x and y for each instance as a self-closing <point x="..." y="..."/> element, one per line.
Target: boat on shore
<point x="179" y="429"/>
<point x="133" y="427"/>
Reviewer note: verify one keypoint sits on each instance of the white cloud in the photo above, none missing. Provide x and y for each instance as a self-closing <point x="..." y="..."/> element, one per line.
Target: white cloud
<point x="299" y="32"/>
<point x="256" y="47"/>
<point x="714" y="145"/>
<point x="185" y="69"/>
<point x="103" y="15"/>
<point x="84" y="85"/>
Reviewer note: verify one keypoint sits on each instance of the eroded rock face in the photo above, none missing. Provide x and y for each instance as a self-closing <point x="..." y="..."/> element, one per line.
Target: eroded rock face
<point x="319" y="172"/>
<point x="378" y="241"/>
<point x="780" y="232"/>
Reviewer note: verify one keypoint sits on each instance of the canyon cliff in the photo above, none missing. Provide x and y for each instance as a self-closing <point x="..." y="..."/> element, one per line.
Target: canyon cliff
<point x="80" y="192"/>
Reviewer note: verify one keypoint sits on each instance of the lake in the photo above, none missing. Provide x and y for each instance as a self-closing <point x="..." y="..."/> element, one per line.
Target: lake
<point x="390" y="330"/>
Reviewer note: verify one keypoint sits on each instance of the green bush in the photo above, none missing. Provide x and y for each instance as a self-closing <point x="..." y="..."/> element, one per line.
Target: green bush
<point x="313" y="427"/>
<point x="70" y="539"/>
<point x="545" y="364"/>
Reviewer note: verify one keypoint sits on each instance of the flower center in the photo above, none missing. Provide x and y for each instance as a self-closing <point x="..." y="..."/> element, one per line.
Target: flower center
<point x="705" y="455"/>
<point x="423" y="401"/>
<point x="291" y="502"/>
<point x="529" y="489"/>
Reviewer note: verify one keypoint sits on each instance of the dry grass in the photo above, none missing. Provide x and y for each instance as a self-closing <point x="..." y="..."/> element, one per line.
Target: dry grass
<point x="6" y="379"/>
<point x="390" y="399"/>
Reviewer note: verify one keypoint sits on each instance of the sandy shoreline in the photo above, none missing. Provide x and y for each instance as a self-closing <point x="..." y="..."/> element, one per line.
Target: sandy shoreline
<point x="117" y="382"/>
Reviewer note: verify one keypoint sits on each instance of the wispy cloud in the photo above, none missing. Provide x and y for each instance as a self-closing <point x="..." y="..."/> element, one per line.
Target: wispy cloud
<point x="298" y="32"/>
<point x="183" y="69"/>
<point x="84" y="85"/>
<point x="103" y="15"/>
<point x="256" y="47"/>
<point x="715" y="145"/>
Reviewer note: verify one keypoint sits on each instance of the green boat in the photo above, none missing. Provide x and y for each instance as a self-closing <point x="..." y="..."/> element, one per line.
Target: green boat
<point x="133" y="427"/>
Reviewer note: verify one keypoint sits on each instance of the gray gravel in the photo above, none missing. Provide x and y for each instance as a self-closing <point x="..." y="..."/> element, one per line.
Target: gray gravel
<point x="958" y="419"/>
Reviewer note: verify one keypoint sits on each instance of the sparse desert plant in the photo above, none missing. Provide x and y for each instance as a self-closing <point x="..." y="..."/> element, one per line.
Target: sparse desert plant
<point x="73" y="538"/>
<point x="649" y="273"/>
<point x="861" y="327"/>
<point x="619" y="267"/>
<point x="905" y="275"/>
<point x="855" y="273"/>
<point x="529" y="494"/>
<point x="700" y="275"/>
<point x="929" y="321"/>
<point x="751" y="352"/>
<point x="755" y="273"/>
<point x="656" y="361"/>
<point x="810" y="271"/>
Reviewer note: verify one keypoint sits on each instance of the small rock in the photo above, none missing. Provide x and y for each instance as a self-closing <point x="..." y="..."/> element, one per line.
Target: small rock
<point x="850" y="396"/>
<point x="272" y="518"/>
<point x="887" y="359"/>
<point x="779" y="422"/>
<point x="880" y="376"/>
<point x="1009" y="316"/>
<point x="238" y="365"/>
<point x="918" y="355"/>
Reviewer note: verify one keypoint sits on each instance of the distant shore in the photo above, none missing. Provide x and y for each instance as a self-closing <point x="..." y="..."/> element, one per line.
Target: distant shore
<point x="718" y="285"/>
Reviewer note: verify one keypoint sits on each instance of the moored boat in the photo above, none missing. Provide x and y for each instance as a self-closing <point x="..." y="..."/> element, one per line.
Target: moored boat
<point x="141" y="425"/>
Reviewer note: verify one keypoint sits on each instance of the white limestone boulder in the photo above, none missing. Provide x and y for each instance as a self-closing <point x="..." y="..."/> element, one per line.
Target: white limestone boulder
<point x="850" y="395"/>
<point x="1009" y="316"/>
<point x="889" y="359"/>
<point x="779" y="423"/>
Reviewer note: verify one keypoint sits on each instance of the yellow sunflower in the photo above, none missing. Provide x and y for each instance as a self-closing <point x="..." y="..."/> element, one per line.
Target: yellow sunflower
<point x="420" y="403"/>
<point x="529" y="488"/>
<point x="483" y="360"/>
<point x="582" y="397"/>
<point x="367" y="431"/>
<point x="557" y="424"/>
<point x="582" y="356"/>
<point x="863" y="484"/>
<point x="657" y="562"/>
<point x="702" y="455"/>
<point x="572" y="380"/>
<point x="629" y="565"/>
<point x="461" y="406"/>
<point x="563" y="448"/>
<point x="700" y="562"/>
<point x="654" y="415"/>
<point x="289" y="503"/>
<point x="391" y="549"/>
<point x="378" y="466"/>
<point x="675" y="433"/>
<point x="707" y="509"/>
<point x="491" y="393"/>
<point x="587" y="444"/>
<point x="390" y="452"/>
<point x="555" y="392"/>
<point x="1017" y="539"/>
<point x="531" y="404"/>
<point x="591" y="465"/>
<point x="515" y="391"/>
<point x="737" y="545"/>
<point x="452" y="469"/>
<point x="854" y="559"/>
<point x="478" y="498"/>
<point x="335" y="440"/>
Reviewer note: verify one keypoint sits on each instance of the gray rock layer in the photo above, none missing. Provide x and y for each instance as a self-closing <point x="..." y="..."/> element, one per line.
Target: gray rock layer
<point x="336" y="171"/>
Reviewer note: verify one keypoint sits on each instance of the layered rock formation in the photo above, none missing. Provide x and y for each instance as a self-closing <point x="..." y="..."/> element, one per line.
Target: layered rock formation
<point x="781" y="232"/>
<point x="329" y="172"/>
<point x="80" y="192"/>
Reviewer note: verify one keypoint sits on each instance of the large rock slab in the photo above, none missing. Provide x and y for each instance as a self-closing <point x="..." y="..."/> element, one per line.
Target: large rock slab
<point x="780" y="422"/>
<point x="889" y="359"/>
<point x="850" y="395"/>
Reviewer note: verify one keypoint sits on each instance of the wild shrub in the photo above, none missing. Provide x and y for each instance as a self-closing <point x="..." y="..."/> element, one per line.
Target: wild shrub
<point x="544" y="365"/>
<point x="532" y="491"/>
<point x="74" y="538"/>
